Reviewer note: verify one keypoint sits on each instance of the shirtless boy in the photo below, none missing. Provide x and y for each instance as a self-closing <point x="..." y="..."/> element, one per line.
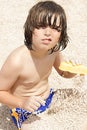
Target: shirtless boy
<point x="24" y="76"/>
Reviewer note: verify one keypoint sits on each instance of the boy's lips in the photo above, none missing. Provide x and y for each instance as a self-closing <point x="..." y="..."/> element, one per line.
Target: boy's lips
<point x="46" y="40"/>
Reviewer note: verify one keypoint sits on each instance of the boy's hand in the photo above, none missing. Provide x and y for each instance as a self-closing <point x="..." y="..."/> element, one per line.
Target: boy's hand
<point x="33" y="103"/>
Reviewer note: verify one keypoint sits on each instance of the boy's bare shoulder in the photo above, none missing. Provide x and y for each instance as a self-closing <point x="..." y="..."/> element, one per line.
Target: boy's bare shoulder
<point x="19" y="51"/>
<point x="17" y="56"/>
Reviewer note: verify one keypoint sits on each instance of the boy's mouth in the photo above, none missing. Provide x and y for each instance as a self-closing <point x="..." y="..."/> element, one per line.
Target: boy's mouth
<point x="46" y="39"/>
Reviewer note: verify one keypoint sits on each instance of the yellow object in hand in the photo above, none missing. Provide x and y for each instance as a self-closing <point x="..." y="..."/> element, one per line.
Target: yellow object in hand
<point x="70" y="67"/>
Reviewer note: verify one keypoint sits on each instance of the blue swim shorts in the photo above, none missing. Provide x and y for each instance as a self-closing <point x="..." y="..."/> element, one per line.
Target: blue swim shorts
<point x="20" y="115"/>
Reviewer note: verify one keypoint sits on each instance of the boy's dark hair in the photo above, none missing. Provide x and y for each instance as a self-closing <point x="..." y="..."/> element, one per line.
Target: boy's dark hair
<point x="41" y="15"/>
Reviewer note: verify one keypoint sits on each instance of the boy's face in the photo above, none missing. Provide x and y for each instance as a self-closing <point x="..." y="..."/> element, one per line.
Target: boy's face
<point x="47" y="37"/>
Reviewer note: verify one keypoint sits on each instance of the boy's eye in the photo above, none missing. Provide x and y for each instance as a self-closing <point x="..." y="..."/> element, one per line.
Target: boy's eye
<point x="57" y="28"/>
<point x="43" y="27"/>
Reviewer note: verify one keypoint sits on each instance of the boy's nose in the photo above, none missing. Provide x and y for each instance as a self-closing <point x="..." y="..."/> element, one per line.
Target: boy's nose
<point x="47" y="31"/>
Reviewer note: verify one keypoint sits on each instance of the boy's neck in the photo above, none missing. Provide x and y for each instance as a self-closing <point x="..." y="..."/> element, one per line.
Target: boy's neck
<point x="39" y="54"/>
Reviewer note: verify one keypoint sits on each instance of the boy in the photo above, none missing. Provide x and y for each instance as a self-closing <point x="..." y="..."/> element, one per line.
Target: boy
<point x="24" y="76"/>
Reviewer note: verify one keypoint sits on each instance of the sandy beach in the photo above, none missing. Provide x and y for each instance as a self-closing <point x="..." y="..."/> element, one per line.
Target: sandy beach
<point x="69" y="106"/>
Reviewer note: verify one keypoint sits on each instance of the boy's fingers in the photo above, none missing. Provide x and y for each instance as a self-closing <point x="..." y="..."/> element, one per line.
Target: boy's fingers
<point x="37" y="104"/>
<point x="40" y="100"/>
<point x="34" y="107"/>
<point x="30" y="109"/>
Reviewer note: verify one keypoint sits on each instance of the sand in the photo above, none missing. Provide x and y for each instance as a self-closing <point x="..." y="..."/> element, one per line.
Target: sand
<point x="69" y="107"/>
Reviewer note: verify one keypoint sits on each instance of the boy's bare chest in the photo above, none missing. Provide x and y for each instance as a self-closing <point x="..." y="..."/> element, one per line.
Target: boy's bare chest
<point x="35" y="71"/>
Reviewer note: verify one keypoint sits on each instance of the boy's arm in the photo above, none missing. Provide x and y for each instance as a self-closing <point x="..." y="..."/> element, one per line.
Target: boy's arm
<point x="9" y="73"/>
<point x="59" y="58"/>
<point x="10" y="100"/>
